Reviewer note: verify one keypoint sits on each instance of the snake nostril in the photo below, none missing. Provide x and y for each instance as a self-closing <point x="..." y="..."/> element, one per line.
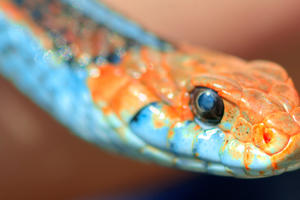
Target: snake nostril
<point x="270" y="140"/>
<point x="267" y="137"/>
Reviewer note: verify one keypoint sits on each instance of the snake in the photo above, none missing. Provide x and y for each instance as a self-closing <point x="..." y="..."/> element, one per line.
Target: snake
<point x="128" y="91"/>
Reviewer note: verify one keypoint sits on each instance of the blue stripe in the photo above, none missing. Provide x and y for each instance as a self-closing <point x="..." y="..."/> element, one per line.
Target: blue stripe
<point x="54" y="86"/>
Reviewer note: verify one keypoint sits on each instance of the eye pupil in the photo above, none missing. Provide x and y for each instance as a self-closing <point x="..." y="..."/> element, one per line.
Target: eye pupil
<point x="207" y="105"/>
<point x="207" y="100"/>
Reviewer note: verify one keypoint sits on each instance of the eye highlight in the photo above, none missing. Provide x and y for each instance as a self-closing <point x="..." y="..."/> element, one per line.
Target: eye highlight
<point x="207" y="105"/>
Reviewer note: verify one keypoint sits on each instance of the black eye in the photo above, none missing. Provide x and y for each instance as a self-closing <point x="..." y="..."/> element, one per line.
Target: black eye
<point x="207" y="105"/>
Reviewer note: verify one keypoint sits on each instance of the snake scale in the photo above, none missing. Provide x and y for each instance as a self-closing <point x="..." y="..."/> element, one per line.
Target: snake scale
<point x="122" y="88"/>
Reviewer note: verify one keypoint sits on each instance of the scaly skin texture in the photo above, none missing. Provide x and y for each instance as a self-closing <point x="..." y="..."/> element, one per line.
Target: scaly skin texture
<point x="142" y="96"/>
<point x="260" y="123"/>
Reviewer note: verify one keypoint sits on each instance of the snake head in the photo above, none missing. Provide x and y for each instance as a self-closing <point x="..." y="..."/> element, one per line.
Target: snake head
<point x="203" y="111"/>
<point x="261" y="117"/>
<point x="261" y="114"/>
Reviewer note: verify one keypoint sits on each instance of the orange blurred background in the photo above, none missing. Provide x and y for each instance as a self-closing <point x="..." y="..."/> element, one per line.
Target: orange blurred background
<point x="40" y="159"/>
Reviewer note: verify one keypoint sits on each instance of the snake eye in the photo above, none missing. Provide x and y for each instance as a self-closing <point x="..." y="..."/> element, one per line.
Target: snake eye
<point x="207" y="105"/>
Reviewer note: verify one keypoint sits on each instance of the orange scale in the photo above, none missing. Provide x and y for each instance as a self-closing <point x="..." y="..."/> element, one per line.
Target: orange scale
<point x="283" y="122"/>
<point x="225" y="87"/>
<point x="171" y="114"/>
<point x="214" y="57"/>
<point x="242" y="130"/>
<point x="244" y="79"/>
<point x="296" y="115"/>
<point x="250" y="115"/>
<point x="105" y="86"/>
<point x="12" y="10"/>
<point x="219" y="69"/>
<point x="131" y="66"/>
<point x="130" y="99"/>
<point x="283" y="91"/>
<point x="271" y="69"/>
<point x="256" y="105"/>
<point x="248" y="156"/>
<point x="264" y="81"/>
<point x="290" y="154"/>
<point x="227" y="68"/>
<point x="290" y="83"/>
<point x="286" y="103"/>
<point x="181" y="103"/>
<point x="164" y="88"/>
<point x="231" y="112"/>
<point x="182" y="72"/>
<point x="180" y="60"/>
<point x="150" y="56"/>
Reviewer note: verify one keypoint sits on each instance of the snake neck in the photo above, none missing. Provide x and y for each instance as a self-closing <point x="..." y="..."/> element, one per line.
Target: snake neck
<point x="80" y="40"/>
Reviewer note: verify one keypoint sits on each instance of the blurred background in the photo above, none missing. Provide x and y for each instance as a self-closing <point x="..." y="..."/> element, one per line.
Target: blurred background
<point x="40" y="159"/>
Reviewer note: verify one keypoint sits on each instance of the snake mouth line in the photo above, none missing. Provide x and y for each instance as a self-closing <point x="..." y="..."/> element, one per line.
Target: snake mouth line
<point x="205" y="148"/>
<point x="194" y="164"/>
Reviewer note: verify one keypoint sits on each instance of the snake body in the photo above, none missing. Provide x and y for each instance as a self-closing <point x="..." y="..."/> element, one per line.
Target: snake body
<point x="124" y="89"/>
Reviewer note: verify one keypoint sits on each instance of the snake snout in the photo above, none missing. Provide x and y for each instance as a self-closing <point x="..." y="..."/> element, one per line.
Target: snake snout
<point x="273" y="134"/>
<point x="288" y="128"/>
